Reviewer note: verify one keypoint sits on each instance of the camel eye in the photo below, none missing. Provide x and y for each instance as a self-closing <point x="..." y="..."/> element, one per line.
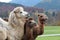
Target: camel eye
<point x="20" y="12"/>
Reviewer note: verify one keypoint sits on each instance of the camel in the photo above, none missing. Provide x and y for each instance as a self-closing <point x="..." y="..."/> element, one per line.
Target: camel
<point x="14" y="28"/>
<point x="39" y="29"/>
<point x="35" y="29"/>
<point x="29" y="24"/>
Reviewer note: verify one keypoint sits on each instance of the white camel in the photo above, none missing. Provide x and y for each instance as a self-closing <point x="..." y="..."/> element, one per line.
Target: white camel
<point x="14" y="28"/>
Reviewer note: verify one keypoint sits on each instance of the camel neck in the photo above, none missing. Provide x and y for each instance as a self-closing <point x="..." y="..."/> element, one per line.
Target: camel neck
<point x="41" y="27"/>
<point x="40" y="24"/>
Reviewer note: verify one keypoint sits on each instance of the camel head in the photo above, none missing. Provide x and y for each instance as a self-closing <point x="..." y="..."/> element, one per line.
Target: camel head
<point x="20" y="13"/>
<point x="30" y="22"/>
<point x="42" y="18"/>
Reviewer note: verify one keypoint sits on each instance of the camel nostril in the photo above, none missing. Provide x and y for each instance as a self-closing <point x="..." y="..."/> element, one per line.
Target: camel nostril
<point x="41" y="16"/>
<point x="46" y="18"/>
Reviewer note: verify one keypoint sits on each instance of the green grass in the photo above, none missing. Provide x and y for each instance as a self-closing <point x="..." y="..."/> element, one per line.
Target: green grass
<point x="49" y="38"/>
<point x="50" y="30"/>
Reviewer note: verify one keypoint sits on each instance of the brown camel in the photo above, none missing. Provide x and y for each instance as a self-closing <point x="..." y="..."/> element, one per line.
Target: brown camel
<point x="28" y="32"/>
<point x="39" y="29"/>
<point x="33" y="30"/>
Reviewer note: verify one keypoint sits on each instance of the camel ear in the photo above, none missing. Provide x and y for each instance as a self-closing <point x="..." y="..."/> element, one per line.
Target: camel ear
<point x="16" y="11"/>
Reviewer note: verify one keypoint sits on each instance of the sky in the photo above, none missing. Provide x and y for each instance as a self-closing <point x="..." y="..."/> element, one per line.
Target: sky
<point x="7" y="1"/>
<point x="23" y="2"/>
<point x="26" y="2"/>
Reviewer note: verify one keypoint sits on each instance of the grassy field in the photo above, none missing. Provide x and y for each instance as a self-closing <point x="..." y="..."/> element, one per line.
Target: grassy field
<point x="50" y="30"/>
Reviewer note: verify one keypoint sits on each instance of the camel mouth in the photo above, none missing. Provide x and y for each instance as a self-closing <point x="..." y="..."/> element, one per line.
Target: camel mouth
<point x="43" y="21"/>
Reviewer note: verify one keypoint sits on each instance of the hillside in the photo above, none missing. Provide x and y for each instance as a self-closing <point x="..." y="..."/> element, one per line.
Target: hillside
<point x="25" y="2"/>
<point x="6" y="8"/>
<point x="53" y="5"/>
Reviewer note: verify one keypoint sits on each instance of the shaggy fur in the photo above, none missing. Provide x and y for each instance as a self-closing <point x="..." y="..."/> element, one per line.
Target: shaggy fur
<point x="14" y="26"/>
<point x="37" y="29"/>
<point x="3" y="30"/>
